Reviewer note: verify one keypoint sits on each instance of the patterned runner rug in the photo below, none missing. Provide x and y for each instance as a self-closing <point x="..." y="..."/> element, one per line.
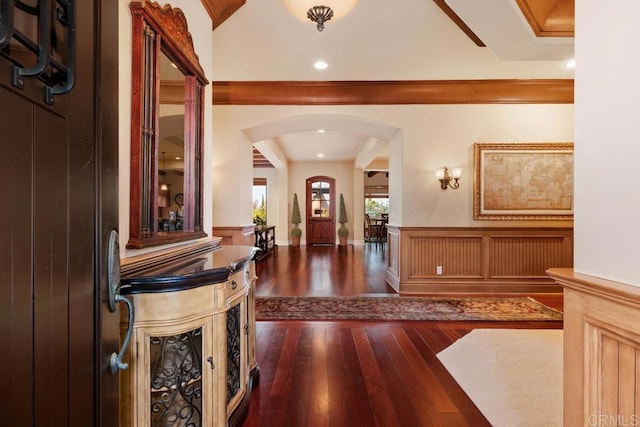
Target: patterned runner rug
<point x="393" y="307"/>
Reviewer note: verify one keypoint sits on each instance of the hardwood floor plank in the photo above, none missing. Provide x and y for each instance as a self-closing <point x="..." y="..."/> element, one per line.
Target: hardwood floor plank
<point x="353" y="390"/>
<point x="418" y="387"/>
<point x="281" y="382"/>
<point x="338" y="380"/>
<point x="384" y="410"/>
<point x="422" y="374"/>
<point x="318" y="412"/>
<point x="407" y="415"/>
<point x="299" y="390"/>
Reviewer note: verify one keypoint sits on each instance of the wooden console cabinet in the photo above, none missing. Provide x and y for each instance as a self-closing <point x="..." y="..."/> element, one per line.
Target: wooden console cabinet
<point x="265" y="240"/>
<point x="192" y="353"/>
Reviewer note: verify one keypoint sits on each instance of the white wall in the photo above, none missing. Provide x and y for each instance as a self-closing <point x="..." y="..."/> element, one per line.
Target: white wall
<point x="431" y="136"/>
<point x="607" y="188"/>
<point x="200" y="28"/>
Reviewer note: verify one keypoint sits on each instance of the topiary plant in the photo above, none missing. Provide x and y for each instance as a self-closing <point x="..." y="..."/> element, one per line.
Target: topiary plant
<point x="295" y="217"/>
<point x="342" y="219"/>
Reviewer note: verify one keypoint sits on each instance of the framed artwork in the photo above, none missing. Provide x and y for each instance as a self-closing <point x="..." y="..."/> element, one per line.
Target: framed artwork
<point x="527" y="181"/>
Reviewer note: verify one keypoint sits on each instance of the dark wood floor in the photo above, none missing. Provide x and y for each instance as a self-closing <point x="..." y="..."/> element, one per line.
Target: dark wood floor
<point x="355" y="373"/>
<point x="323" y="270"/>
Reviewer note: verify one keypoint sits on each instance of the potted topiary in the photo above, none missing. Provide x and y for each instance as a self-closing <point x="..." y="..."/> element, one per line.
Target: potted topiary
<point x="295" y="220"/>
<point x="343" y="232"/>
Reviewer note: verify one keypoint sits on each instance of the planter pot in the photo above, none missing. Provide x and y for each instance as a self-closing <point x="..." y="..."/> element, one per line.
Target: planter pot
<point x="295" y="240"/>
<point x="343" y="240"/>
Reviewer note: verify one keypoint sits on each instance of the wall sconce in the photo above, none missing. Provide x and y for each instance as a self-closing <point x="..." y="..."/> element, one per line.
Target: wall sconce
<point x="445" y="177"/>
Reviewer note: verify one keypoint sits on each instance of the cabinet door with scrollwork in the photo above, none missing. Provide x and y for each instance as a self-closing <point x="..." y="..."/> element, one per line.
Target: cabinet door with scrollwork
<point x="174" y="373"/>
<point x="237" y="331"/>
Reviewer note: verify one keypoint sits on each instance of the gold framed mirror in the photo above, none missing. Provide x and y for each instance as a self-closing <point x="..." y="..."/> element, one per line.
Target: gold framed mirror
<point x="166" y="129"/>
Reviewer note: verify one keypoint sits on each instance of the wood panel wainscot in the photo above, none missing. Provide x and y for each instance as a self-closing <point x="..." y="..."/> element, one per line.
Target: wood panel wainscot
<point x="476" y="260"/>
<point x="601" y="350"/>
<point x="191" y="357"/>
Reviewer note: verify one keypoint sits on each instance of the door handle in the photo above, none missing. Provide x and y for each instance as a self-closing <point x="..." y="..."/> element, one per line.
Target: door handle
<point x="113" y="279"/>
<point x="115" y="363"/>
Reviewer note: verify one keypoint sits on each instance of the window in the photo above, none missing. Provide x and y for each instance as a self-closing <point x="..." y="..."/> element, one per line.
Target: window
<point x="375" y="206"/>
<point x="260" y="201"/>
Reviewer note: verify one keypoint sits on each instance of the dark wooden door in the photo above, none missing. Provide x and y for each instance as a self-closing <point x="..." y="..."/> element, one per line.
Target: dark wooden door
<point x="321" y="208"/>
<point x="59" y="165"/>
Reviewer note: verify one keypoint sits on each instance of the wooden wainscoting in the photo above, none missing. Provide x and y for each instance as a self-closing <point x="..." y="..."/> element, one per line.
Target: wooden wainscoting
<point x="476" y="260"/>
<point x="236" y="235"/>
<point x="601" y="350"/>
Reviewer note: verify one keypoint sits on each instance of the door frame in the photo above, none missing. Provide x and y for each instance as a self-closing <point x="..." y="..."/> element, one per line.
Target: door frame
<point x="332" y="206"/>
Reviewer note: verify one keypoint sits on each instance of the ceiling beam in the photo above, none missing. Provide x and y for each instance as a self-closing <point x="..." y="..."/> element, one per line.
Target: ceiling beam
<point x="220" y="10"/>
<point x="171" y="92"/>
<point x="536" y="91"/>
<point x="272" y="153"/>
<point x="442" y="4"/>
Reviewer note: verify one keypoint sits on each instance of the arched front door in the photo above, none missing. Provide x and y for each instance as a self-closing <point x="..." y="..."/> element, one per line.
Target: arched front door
<point x="321" y="226"/>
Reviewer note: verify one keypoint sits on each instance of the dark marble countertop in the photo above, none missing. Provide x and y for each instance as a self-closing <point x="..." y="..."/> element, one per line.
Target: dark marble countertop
<point x="200" y="269"/>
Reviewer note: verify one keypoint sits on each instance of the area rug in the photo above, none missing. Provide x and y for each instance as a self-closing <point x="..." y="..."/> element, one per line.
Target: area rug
<point x="393" y="307"/>
<point x="514" y="376"/>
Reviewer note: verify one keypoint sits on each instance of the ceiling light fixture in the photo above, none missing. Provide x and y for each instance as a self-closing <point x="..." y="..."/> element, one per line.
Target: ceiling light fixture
<point x="320" y="130"/>
<point x="320" y="155"/>
<point x="319" y="11"/>
<point x="320" y="15"/>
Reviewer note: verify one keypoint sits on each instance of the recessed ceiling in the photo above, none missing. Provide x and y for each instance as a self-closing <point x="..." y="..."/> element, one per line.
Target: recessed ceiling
<point x="417" y="41"/>
<point x="507" y="32"/>
<point x="334" y="146"/>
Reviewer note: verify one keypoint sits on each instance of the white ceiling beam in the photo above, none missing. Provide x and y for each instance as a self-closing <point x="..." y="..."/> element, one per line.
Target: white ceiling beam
<point x="272" y="152"/>
<point x="371" y="149"/>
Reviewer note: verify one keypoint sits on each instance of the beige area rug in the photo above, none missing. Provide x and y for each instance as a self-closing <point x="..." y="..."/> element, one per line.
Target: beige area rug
<point x="394" y="307"/>
<point x="513" y="376"/>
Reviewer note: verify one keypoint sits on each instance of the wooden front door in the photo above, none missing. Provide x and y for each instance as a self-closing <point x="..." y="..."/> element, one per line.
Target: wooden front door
<point x="321" y="209"/>
<point x="59" y="165"/>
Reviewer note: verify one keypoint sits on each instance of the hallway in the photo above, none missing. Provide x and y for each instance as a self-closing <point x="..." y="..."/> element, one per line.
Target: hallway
<point x="323" y="270"/>
<point x="355" y="372"/>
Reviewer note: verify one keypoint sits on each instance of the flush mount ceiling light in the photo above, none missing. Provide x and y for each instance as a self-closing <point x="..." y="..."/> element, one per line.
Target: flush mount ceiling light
<point x="319" y="11"/>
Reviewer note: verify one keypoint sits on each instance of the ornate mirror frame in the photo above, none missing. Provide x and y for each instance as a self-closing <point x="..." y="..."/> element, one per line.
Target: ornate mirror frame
<point x="163" y="30"/>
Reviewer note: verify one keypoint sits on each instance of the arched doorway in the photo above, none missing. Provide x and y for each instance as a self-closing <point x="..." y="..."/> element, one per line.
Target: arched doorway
<point x="321" y="225"/>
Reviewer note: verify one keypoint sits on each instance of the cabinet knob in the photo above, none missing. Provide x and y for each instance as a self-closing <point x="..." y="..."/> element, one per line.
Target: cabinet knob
<point x="210" y="360"/>
<point x="234" y="284"/>
<point x="246" y="329"/>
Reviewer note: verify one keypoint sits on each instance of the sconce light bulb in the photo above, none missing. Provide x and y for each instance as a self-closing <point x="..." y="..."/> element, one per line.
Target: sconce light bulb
<point x="456" y="173"/>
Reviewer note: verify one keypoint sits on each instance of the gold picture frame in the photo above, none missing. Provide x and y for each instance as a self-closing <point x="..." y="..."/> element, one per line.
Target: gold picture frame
<point x="523" y="181"/>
